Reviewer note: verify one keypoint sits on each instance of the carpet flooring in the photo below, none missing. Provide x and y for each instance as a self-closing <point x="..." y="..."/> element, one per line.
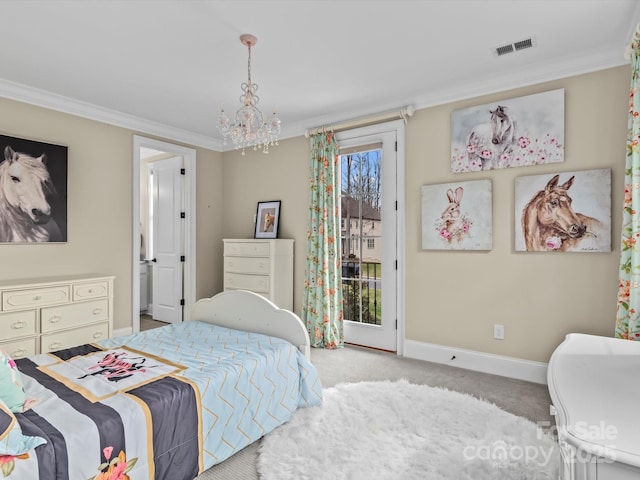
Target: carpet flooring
<point x="355" y="364"/>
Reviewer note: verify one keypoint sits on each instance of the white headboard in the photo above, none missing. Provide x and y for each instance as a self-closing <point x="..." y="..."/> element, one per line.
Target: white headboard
<point x="248" y="311"/>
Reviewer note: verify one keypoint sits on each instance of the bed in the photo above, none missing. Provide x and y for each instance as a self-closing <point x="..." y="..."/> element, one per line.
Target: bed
<point x="167" y="403"/>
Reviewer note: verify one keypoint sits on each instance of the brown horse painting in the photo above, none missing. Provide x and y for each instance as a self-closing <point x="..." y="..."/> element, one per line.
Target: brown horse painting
<point x="549" y="222"/>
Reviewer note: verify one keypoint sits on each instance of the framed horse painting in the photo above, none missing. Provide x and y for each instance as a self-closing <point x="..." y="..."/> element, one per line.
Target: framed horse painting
<point x="33" y="191"/>
<point x="516" y="132"/>
<point x="267" y="219"/>
<point x="564" y="212"/>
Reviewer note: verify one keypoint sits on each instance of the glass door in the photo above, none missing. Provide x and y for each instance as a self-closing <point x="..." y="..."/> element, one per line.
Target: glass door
<point x="368" y="239"/>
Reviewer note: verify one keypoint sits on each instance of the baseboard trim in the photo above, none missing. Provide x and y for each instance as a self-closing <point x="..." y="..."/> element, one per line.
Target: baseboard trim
<point x="478" y="361"/>
<point x="121" y="332"/>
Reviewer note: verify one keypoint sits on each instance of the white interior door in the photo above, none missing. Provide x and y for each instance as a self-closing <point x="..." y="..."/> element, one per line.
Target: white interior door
<point x="369" y="237"/>
<point x="166" y="207"/>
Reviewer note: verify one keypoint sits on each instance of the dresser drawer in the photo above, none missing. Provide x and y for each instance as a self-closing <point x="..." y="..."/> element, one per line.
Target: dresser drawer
<point x="72" y="338"/>
<point x="246" y="265"/>
<point x="87" y="291"/>
<point x="255" y="283"/>
<point x="248" y="248"/>
<point x="20" y="348"/>
<point x="17" y="324"/>
<point x="36" y="297"/>
<point x="64" y="316"/>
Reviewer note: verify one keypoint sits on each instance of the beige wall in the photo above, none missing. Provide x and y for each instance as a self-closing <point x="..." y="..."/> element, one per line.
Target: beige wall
<point x="256" y="177"/>
<point x="100" y="205"/>
<point x="454" y="298"/>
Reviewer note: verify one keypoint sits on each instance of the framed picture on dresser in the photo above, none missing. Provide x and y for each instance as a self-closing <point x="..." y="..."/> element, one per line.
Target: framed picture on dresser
<point x="267" y="219"/>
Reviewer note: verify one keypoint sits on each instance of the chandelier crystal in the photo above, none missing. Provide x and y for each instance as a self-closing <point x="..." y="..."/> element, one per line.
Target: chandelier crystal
<point x="249" y="128"/>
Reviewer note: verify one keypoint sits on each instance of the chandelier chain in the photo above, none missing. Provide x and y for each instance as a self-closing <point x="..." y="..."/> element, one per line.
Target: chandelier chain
<point x="249" y="65"/>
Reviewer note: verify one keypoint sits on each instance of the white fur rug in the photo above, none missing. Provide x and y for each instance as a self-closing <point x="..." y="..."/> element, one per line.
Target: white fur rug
<point x="402" y="431"/>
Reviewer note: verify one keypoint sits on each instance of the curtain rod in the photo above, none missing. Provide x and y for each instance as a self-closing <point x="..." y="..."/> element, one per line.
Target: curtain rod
<point x="403" y="113"/>
<point x="633" y="44"/>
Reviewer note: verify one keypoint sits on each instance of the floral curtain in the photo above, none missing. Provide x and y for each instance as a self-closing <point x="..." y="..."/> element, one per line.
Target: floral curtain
<point x="628" y="311"/>
<point x="322" y="302"/>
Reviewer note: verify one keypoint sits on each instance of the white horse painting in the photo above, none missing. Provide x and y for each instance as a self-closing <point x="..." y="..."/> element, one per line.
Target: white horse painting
<point x="25" y="213"/>
<point x="492" y="143"/>
<point x="514" y="132"/>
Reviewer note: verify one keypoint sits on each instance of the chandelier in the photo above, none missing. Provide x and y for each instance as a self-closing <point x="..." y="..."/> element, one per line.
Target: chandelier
<point x="249" y="128"/>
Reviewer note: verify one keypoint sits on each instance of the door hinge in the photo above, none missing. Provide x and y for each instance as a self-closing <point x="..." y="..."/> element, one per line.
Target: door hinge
<point x="396" y="323"/>
<point x="182" y="259"/>
<point x="396" y="205"/>
<point x="183" y="214"/>
<point x="396" y="146"/>
<point x="183" y="171"/>
<point x="396" y="264"/>
<point x="182" y="302"/>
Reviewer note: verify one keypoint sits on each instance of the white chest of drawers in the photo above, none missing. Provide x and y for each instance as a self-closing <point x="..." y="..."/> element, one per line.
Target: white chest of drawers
<point x="594" y="387"/>
<point x="44" y="315"/>
<point x="263" y="266"/>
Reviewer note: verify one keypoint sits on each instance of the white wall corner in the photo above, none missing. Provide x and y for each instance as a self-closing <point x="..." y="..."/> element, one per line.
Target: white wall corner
<point x="121" y="332"/>
<point x="511" y="367"/>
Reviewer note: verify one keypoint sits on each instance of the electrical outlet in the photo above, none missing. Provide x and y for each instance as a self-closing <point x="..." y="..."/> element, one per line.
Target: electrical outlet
<point x="498" y="331"/>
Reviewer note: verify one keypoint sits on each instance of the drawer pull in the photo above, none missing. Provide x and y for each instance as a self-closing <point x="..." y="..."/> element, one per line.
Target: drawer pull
<point x="19" y="325"/>
<point x="55" y="319"/>
<point x="55" y="345"/>
<point x="37" y="297"/>
<point x="97" y="311"/>
<point x="21" y="352"/>
<point x="97" y="335"/>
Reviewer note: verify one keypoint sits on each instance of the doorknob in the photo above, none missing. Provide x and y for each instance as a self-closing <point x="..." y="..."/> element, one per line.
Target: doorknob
<point x="154" y="260"/>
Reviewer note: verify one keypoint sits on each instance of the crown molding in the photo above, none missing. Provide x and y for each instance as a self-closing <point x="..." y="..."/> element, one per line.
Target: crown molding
<point x="42" y="98"/>
<point x="587" y="63"/>
<point x="534" y="75"/>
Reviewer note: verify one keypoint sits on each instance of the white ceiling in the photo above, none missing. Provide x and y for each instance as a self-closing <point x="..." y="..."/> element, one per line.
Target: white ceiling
<point x="166" y="67"/>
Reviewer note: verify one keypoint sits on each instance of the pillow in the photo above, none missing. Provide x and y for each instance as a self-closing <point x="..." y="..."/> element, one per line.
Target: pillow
<point x="12" y="441"/>
<point x="11" y="391"/>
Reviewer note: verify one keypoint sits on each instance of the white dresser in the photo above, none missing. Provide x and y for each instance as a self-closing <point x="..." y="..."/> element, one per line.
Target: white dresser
<point x="48" y="314"/>
<point x="263" y="266"/>
<point x="594" y="384"/>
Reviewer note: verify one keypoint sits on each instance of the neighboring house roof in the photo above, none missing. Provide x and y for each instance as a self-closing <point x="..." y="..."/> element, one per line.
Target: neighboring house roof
<point x="350" y="208"/>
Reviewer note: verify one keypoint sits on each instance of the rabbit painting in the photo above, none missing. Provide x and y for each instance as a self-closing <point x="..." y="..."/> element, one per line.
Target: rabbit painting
<point x="452" y="225"/>
<point x="461" y="222"/>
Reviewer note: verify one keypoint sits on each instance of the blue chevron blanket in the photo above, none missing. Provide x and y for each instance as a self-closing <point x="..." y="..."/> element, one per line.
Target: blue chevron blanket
<point x="167" y="403"/>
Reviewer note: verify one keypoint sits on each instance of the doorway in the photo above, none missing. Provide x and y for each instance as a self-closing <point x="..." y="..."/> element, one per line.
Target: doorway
<point x="180" y="287"/>
<point x="369" y="160"/>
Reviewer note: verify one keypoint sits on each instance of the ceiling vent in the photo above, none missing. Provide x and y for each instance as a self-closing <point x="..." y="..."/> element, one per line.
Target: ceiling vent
<point x="514" y="47"/>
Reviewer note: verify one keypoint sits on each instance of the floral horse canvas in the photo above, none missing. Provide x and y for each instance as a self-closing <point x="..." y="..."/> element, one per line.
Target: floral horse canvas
<point x="568" y="212"/>
<point x="512" y="132"/>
